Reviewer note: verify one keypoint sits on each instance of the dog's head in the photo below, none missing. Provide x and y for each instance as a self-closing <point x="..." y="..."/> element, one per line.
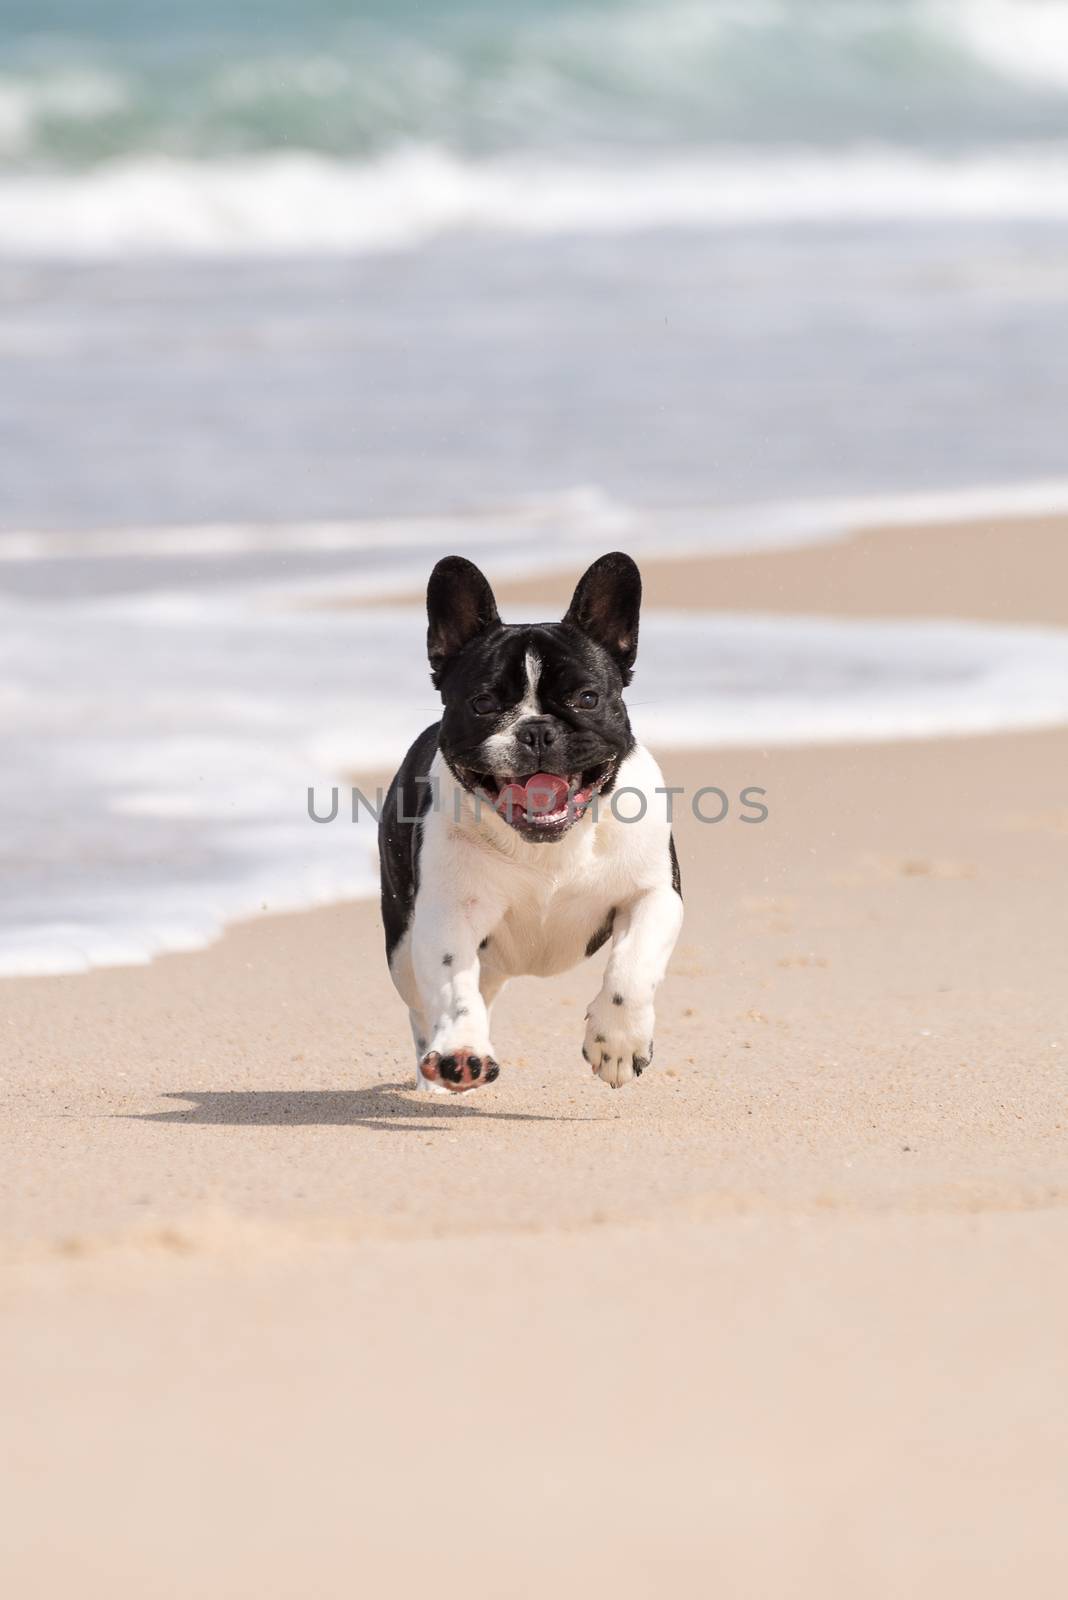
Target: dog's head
<point x="534" y="722"/>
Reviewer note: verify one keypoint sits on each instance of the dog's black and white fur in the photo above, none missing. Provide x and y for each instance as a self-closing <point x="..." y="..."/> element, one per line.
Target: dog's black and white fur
<point x="483" y="878"/>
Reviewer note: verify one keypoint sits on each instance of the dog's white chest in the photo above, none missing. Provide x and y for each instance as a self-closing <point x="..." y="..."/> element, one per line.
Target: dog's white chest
<point x="548" y="931"/>
<point x="545" y="938"/>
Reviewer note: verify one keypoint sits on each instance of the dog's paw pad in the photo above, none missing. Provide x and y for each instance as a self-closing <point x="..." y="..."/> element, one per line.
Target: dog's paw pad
<point x="617" y="1045"/>
<point x="459" y="1070"/>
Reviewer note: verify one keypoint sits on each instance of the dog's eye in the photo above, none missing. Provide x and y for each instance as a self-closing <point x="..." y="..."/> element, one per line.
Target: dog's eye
<point x="587" y="699"/>
<point x="483" y="704"/>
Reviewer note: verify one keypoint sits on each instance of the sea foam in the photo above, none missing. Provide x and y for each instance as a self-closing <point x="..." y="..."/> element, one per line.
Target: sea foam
<point x="301" y="204"/>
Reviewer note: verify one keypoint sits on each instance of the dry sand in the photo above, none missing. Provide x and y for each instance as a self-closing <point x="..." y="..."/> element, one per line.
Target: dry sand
<point x="992" y="571"/>
<point x="787" y="1318"/>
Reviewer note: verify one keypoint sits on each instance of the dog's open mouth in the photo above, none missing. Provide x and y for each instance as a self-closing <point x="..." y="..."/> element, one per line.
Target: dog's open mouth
<point x="542" y="803"/>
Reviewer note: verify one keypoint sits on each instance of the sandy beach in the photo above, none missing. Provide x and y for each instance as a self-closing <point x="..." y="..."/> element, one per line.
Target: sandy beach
<point x="786" y="1318"/>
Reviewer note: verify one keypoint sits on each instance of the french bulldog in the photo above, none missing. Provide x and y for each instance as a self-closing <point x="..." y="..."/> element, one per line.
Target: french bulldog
<point x="501" y="849"/>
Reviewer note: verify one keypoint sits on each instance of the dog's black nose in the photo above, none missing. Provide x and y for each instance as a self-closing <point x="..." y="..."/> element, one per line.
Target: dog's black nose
<point x="537" y="734"/>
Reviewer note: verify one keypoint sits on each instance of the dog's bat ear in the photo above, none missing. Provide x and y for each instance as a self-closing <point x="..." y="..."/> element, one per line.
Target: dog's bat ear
<point x="606" y="605"/>
<point x="459" y="605"/>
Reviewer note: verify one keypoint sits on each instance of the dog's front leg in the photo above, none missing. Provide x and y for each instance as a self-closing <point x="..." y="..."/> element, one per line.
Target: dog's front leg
<point x="445" y="959"/>
<point x="619" y="1027"/>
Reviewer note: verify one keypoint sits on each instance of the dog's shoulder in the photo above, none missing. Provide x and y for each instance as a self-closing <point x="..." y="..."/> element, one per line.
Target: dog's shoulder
<point x="634" y="843"/>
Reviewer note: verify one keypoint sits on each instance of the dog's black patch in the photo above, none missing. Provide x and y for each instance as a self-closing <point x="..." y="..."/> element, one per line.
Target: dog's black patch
<point x="484" y="942"/>
<point x="676" y="875"/>
<point x="446" y="961"/>
<point x="598" y="939"/>
<point x="400" y="835"/>
<point x="617" y="999"/>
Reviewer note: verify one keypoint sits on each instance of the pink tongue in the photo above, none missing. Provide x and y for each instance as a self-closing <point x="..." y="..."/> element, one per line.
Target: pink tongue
<point x="540" y="794"/>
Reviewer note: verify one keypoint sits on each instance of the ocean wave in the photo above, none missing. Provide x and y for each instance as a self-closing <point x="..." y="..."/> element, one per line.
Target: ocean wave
<point x="301" y="204"/>
<point x="204" y="81"/>
<point x="1022" y="39"/>
<point x="29" y="105"/>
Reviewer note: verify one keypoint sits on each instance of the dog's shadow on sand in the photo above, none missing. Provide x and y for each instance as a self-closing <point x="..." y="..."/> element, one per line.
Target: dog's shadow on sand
<point x="393" y="1106"/>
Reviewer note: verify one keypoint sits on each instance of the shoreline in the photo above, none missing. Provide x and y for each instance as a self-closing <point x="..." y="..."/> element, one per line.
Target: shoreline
<point x="787" y="638"/>
<point x="987" y="569"/>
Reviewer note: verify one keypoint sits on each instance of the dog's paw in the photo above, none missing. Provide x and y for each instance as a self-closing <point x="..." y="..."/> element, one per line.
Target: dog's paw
<point x="619" y="1039"/>
<point x="456" y="1070"/>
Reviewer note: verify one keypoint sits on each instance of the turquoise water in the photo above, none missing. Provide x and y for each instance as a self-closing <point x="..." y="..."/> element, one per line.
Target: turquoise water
<point x="264" y="258"/>
<point x="83" y="83"/>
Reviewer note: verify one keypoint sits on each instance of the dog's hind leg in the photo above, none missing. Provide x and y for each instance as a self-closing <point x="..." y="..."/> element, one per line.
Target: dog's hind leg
<point x="400" y="970"/>
<point x="420" y="1039"/>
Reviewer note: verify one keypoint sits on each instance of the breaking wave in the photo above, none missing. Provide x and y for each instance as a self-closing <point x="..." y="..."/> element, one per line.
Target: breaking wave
<point x="293" y="205"/>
